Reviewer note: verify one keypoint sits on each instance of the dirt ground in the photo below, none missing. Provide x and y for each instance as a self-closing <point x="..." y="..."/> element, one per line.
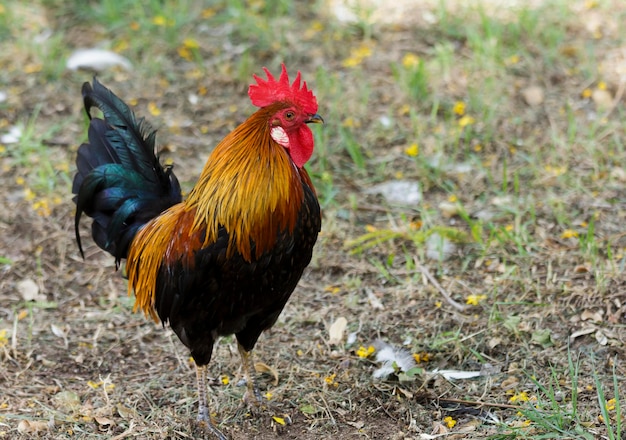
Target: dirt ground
<point x="77" y="363"/>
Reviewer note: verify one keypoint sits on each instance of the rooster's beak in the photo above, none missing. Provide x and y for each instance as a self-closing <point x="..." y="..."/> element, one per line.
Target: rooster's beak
<point x="315" y="119"/>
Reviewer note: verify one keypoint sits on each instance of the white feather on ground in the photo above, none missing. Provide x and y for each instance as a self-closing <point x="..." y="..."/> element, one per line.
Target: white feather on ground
<point x="391" y="359"/>
<point x="96" y="59"/>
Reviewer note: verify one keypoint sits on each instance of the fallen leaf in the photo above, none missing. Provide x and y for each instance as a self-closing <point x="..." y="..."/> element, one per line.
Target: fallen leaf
<point x="67" y="400"/>
<point x="337" y="330"/>
<point x="260" y="367"/>
<point x="358" y="425"/>
<point x="602" y="99"/>
<point x="374" y="301"/>
<point x="494" y="342"/>
<point x="533" y="95"/>
<point x="32" y="426"/>
<point x="601" y="338"/>
<point x="509" y="383"/>
<point x="542" y="337"/>
<point x="456" y="374"/>
<point x="439" y="248"/>
<point x="582" y="332"/>
<point x="581" y="268"/>
<point x="398" y="191"/>
<point x="29" y="290"/>
<point x="104" y="421"/>
<point x="309" y="409"/>
<point x="448" y="209"/>
<point x="590" y="315"/>
<point x="126" y="412"/>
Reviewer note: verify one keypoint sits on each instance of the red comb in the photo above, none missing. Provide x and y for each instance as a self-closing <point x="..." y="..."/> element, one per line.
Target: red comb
<point x="267" y="92"/>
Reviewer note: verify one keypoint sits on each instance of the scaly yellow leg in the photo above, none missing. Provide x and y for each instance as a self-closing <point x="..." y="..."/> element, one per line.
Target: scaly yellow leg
<point x="252" y="395"/>
<point x="204" y="418"/>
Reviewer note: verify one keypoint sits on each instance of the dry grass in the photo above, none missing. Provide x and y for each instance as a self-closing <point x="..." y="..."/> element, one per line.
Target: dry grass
<point x="513" y="128"/>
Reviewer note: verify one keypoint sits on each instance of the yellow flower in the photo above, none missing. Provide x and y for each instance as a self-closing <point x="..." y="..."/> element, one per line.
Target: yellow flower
<point x="452" y="198"/>
<point x="332" y="289"/>
<point x="586" y="93"/>
<point x="184" y="53"/>
<point x="478" y="148"/>
<point x="33" y="68"/>
<point x="225" y="380"/>
<point x="509" y="228"/>
<point x="569" y="233"/>
<point x="473" y="300"/>
<point x="410" y="60"/>
<point x="207" y="13"/>
<point x="512" y="60"/>
<point x="279" y="420"/>
<point x="159" y="20"/>
<point x="459" y="108"/>
<point x="29" y="194"/>
<point x="601" y="85"/>
<point x="363" y="352"/>
<point x="610" y="405"/>
<point x="348" y="122"/>
<point x="555" y="171"/>
<point x="520" y="397"/>
<point x="415" y="225"/>
<point x="449" y="421"/>
<point x="404" y="110"/>
<point x="3" y="337"/>
<point x="153" y="109"/>
<point x="268" y="395"/>
<point x="371" y="228"/>
<point x="357" y="55"/>
<point x="330" y="379"/>
<point x="42" y="207"/>
<point x="64" y="167"/>
<point x="120" y="46"/>
<point x="466" y="120"/>
<point x="191" y="43"/>
<point x="421" y="357"/>
<point x="312" y="31"/>
<point x="412" y="150"/>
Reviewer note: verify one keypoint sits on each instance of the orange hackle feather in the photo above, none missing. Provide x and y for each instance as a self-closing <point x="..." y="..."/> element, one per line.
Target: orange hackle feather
<point x="249" y="186"/>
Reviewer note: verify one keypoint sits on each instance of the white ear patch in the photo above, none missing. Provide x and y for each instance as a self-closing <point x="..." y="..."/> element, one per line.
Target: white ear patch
<point x="279" y="135"/>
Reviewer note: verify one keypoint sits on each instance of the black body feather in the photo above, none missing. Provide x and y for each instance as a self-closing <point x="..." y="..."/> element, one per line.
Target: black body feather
<point x="119" y="181"/>
<point x="225" y="295"/>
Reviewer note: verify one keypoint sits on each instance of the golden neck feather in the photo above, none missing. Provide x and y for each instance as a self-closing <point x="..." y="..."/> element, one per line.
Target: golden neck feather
<point x="250" y="186"/>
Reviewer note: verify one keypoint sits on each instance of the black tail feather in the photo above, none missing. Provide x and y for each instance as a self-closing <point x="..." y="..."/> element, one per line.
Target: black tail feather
<point x="119" y="181"/>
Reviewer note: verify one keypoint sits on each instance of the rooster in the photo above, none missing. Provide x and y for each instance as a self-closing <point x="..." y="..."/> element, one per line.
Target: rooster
<point x="226" y="259"/>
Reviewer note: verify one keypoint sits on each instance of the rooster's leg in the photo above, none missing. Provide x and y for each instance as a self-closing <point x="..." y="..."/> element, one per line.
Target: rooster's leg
<point x="204" y="418"/>
<point x="252" y="396"/>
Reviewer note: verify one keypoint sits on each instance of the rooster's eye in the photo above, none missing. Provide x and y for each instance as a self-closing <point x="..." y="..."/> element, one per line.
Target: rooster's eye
<point x="289" y="115"/>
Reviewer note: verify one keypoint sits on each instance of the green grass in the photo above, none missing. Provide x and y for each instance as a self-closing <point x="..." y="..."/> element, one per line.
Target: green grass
<point x="553" y="410"/>
<point x="531" y="195"/>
